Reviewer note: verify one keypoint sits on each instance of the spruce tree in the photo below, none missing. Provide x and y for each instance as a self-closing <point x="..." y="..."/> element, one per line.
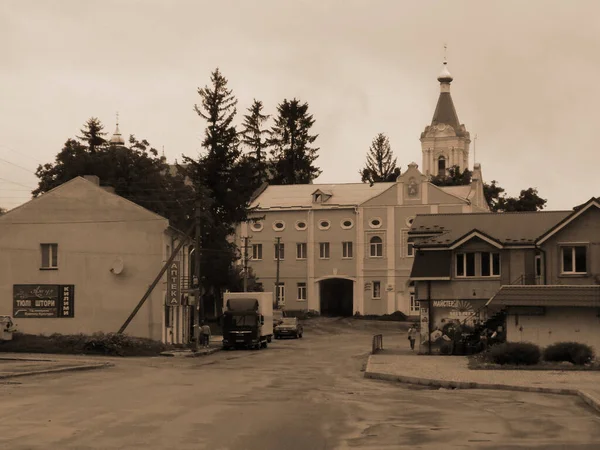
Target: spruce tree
<point x="292" y="155"/>
<point x="93" y="134"/>
<point x="255" y="138"/>
<point x="381" y="164"/>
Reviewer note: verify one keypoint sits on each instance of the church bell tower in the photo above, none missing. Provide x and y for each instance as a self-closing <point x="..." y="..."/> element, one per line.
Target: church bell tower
<point x="445" y="143"/>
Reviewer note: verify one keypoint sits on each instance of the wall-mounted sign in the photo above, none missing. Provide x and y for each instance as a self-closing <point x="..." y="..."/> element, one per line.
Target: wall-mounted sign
<point x="33" y="301"/>
<point x="174" y="284"/>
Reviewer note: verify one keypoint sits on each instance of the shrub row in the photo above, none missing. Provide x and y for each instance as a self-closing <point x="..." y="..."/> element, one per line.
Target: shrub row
<point x="526" y="353"/>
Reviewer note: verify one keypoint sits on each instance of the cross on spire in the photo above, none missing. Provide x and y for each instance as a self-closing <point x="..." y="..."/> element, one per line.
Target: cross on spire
<point x="445" y="53"/>
<point x="117" y="118"/>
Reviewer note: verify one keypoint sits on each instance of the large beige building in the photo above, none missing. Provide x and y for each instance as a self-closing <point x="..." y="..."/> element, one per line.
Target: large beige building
<point x="343" y="248"/>
<point x="79" y="258"/>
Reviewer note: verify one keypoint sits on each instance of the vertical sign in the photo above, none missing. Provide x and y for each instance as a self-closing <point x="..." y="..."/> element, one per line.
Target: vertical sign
<point x="66" y="303"/>
<point x="173" y="284"/>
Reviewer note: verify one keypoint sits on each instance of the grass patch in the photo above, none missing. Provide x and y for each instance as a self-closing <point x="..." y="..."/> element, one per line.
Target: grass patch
<point x="108" y="344"/>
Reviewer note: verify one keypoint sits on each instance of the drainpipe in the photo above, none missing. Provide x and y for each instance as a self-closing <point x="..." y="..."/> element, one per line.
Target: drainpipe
<point x="429" y="315"/>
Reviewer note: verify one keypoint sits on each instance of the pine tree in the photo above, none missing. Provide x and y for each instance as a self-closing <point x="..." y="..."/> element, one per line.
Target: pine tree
<point x="93" y="134"/>
<point x="292" y="156"/>
<point x="255" y="138"/>
<point x="381" y="164"/>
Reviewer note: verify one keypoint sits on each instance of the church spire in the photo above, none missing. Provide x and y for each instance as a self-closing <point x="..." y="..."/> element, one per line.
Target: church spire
<point x="116" y="138"/>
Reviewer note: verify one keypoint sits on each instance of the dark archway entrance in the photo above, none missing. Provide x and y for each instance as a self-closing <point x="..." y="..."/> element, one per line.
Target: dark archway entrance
<point x="336" y="297"/>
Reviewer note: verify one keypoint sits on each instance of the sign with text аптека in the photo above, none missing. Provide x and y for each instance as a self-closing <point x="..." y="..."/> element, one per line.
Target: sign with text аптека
<point x="174" y="284"/>
<point x="34" y="301"/>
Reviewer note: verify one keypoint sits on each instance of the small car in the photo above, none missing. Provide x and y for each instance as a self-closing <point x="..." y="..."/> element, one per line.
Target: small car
<point x="289" y="327"/>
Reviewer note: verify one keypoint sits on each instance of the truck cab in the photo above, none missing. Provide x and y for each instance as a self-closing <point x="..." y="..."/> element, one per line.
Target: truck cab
<point x="247" y="320"/>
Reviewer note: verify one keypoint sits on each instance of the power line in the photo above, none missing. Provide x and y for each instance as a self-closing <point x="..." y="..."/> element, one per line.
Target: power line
<point x="14" y="182"/>
<point x="16" y="165"/>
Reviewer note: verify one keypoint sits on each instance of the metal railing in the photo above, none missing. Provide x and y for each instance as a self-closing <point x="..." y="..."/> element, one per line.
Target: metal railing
<point x="377" y="343"/>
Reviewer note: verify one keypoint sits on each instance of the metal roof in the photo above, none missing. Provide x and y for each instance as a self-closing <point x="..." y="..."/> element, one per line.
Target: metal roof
<point x="548" y="295"/>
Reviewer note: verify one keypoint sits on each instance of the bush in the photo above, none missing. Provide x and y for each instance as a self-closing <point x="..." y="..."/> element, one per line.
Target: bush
<point x="573" y="352"/>
<point x="518" y="353"/>
<point x="446" y="348"/>
<point x="397" y="316"/>
<point x="111" y="344"/>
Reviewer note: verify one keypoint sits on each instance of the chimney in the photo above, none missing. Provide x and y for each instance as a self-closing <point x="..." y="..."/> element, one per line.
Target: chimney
<point x="92" y="179"/>
<point x="109" y="189"/>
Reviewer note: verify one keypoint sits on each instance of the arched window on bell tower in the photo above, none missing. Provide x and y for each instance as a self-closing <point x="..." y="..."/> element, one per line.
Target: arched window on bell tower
<point x="441" y="165"/>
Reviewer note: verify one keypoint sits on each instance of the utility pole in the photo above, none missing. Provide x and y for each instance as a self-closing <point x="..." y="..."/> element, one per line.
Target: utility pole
<point x="246" y="264"/>
<point x="199" y="306"/>
<point x="278" y="254"/>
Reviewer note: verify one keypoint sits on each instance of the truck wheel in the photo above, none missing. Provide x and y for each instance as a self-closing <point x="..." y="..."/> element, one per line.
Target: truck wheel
<point x="269" y="339"/>
<point x="300" y="335"/>
<point x="265" y="344"/>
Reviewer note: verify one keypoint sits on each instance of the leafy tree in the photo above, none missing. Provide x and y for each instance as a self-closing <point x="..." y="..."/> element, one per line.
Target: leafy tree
<point x="93" y="134"/>
<point x="528" y="199"/>
<point x="236" y="280"/>
<point x="292" y="154"/>
<point x="454" y="177"/>
<point x="135" y="172"/>
<point x="255" y="138"/>
<point x="381" y="164"/>
<point x="3" y="211"/>
<point x="222" y="176"/>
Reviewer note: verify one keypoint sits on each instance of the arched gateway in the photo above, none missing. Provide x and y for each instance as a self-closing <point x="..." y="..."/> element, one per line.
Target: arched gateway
<point x="336" y="297"/>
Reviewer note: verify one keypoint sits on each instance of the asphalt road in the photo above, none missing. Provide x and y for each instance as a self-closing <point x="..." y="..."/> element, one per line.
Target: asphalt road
<point x="297" y="394"/>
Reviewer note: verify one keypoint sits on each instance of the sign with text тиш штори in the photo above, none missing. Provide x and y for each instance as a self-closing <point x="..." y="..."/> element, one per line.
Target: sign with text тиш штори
<point x="174" y="284"/>
<point x="35" y="301"/>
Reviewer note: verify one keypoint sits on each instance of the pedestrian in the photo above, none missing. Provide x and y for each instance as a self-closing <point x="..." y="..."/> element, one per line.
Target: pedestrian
<point x="412" y="336"/>
<point x="205" y="329"/>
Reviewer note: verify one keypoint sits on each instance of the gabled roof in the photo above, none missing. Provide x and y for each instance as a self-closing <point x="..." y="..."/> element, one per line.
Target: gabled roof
<point x="300" y="195"/>
<point x="519" y="228"/>
<point x="577" y="211"/>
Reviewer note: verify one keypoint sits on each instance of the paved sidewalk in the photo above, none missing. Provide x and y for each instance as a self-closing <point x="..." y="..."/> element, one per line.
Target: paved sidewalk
<point x="20" y="366"/>
<point x="400" y="364"/>
<point x="216" y="345"/>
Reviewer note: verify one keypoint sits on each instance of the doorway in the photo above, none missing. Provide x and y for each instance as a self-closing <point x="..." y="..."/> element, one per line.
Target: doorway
<point x="337" y="297"/>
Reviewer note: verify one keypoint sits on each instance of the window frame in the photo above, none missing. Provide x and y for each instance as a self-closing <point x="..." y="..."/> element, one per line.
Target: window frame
<point x="573" y="247"/>
<point x="280" y="293"/>
<point x="491" y="262"/>
<point x="378" y="284"/>
<point x="301" y="255"/>
<point x="349" y="227"/>
<point x="379" y="225"/>
<point x="478" y="258"/>
<point x="298" y="227"/>
<point x="440" y="159"/>
<point x="257" y="226"/>
<point x="257" y="249"/>
<point x="347" y="250"/>
<point x="375" y="245"/>
<point x="275" y="222"/>
<point x="327" y="227"/>
<point x="52" y="249"/>
<point x="279" y="251"/>
<point x="324" y="250"/>
<point x="301" y="291"/>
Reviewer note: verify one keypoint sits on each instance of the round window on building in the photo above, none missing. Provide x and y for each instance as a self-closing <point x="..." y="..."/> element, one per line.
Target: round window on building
<point x="300" y="225"/>
<point x="375" y="222"/>
<point x="256" y="226"/>
<point x="324" y="224"/>
<point x="347" y="224"/>
<point x="409" y="221"/>
<point x="279" y="225"/>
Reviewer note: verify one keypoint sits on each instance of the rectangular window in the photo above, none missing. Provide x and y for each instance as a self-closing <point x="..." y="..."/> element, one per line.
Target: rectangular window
<point x="574" y="259"/>
<point x="49" y="256"/>
<point x="281" y="293"/>
<point x="414" y="303"/>
<point x="301" y="250"/>
<point x="490" y="264"/>
<point x="465" y="265"/>
<point x="376" y="289"/>
<point x="301" y="291"/>
<point x="347" y="250"/>
<point x="324" y="250"/>
<point x="257" y="252"/>
<point x="279" y="251"/>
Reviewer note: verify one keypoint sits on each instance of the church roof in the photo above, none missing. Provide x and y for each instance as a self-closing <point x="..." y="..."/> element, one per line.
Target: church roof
<point x="300" y="195"/>
<point x="445" y="112"/>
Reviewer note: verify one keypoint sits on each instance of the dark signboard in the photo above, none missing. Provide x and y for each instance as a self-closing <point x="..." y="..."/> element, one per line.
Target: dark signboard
<point x="43" y="301"/>
<point x="174" y="284"/>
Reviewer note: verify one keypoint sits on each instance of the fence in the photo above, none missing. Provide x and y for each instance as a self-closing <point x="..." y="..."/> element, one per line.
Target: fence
<point x="377" y="343"/>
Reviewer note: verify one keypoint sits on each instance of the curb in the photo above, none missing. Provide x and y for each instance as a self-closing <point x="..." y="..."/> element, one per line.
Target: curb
<point x="588" y="398"/>
<point x="58" y="370"/>
<point x="191" y="354"/>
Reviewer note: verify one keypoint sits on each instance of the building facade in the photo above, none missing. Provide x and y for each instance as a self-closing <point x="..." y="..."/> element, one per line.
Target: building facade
<point x="79" y="258"/>
<point x="539" y="270"/>
<point x="343" y="248"/>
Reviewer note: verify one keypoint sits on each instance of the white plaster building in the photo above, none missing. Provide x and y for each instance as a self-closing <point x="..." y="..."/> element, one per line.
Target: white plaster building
<point x="344" y="247"/>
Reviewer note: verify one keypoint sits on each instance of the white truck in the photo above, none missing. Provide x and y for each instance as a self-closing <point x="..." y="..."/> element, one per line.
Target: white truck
<point x="247" y="319"/>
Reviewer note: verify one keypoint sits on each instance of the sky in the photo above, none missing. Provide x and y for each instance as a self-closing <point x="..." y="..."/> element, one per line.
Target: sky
<point x="526" y="79"/>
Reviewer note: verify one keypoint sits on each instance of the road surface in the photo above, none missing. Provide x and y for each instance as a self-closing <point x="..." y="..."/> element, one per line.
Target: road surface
<point x="297" y="394"/>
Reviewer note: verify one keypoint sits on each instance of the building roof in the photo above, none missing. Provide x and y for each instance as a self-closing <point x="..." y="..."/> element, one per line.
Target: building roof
<point x="300" y="195"/>
<point x="577" y="211"/>
<point x="548" y="295"/>
<point x="517" y="228"/>
<point x="445" y="112"/>
<point x="431" y="266"/>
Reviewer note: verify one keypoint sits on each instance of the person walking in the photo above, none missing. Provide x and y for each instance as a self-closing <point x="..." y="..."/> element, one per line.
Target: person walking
<point x="412" y="336"/>
<point x="205" y="330"/>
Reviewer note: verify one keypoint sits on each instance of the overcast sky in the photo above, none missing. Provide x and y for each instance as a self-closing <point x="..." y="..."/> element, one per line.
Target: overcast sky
<point x="526" y="79"/>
